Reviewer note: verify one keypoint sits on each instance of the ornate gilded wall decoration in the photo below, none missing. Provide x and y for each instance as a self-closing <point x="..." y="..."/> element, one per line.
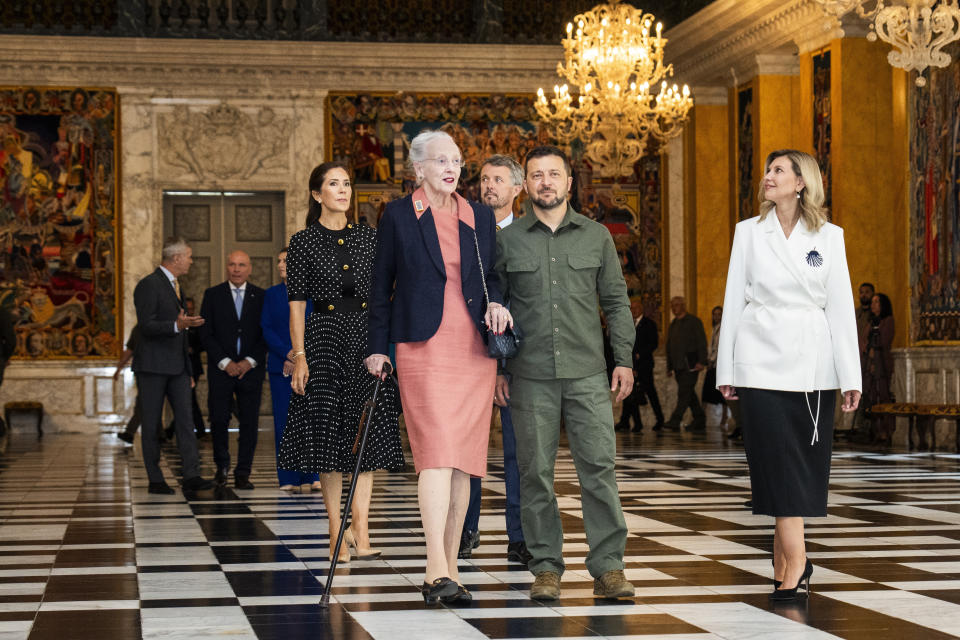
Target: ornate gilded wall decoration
<point x="935" y="206"/>
<point x="224" y="142"/>
<point x="59" y="217"/>
<point x="371" y="133"/>
<point x="822" y="122"/>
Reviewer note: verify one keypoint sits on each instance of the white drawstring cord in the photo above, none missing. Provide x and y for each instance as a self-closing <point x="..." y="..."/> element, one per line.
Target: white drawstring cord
<point x="816" y="419"/>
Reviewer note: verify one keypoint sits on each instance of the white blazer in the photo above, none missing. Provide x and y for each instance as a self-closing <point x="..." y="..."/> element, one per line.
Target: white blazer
<point x="788" y="316"/>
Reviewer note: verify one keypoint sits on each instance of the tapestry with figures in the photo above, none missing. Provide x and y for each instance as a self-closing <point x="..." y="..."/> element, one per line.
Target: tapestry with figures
<point x="371" y="133"/>
<point x="935" y="206"/>
<point x="59" y="220"/>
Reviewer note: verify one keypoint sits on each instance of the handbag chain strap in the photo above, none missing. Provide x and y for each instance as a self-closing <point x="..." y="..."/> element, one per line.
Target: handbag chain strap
<point x="483" y="279"/>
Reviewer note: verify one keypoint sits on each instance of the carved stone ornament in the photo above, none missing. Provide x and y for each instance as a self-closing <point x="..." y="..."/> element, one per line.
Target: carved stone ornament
<point x="225" y="142"/>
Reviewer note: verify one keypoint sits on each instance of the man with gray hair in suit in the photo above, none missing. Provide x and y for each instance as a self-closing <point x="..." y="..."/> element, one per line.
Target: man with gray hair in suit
<point x="162" y="365"/>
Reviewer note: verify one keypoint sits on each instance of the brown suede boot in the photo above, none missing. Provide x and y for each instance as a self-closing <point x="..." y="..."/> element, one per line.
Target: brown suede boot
<point x="612" y="584"/>
<point x="546" y="586"/>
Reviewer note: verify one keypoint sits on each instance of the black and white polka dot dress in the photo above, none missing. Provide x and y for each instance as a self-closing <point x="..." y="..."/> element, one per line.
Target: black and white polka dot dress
<point x="334" y="269"/>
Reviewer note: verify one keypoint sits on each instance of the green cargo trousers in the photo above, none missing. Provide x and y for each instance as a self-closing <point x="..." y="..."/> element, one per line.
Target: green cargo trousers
<point x="584" y="404"/>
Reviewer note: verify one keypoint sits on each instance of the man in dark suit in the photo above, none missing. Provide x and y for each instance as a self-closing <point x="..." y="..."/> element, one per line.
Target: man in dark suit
<point x="162" y="365"/>
<point x="686" y="358"/>
<point x="647" y="339"/>
<point x="236" y="355"/>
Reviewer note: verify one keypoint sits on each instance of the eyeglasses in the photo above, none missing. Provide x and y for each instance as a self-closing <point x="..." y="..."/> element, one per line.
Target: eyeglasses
<point x="443" y="163"/>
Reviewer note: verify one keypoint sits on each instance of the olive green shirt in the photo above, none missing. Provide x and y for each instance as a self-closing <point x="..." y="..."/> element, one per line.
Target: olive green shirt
<point x="553" y="282"/>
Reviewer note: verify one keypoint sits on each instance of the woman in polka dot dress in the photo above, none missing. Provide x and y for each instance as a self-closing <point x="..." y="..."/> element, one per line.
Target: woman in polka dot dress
<point x="331" y="263"/>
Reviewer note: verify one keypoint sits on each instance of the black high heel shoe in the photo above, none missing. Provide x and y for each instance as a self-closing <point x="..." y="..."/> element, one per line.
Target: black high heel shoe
<point x="438" y="589"/>
<point x="790" y="595"/>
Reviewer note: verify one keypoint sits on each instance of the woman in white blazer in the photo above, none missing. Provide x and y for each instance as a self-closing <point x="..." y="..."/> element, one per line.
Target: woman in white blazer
<point x="788" y="341"/>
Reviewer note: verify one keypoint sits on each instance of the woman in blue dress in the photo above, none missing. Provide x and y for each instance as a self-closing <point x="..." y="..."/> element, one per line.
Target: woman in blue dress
<point x="275" y="322"/>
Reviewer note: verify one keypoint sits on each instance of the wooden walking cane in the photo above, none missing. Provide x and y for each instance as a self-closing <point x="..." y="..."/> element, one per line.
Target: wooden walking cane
<point x="363" y="430"/>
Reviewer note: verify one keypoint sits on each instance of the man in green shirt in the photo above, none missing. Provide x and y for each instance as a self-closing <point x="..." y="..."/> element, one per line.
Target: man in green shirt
<point x="555" y="266"/>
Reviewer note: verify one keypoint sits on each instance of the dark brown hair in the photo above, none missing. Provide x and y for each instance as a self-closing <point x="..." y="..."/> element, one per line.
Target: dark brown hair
<point x="315" y="183"/>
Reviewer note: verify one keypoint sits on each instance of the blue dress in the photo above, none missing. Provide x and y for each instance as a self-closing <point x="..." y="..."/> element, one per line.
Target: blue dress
<point x="275" y="323"/>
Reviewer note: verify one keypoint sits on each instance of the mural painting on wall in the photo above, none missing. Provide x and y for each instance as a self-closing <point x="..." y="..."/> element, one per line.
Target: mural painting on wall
<point x="822" y="134"/>
<point x="746" y="189"/>
<point x="935" y="206"/>
<point x="58" y="220"/>
<point x="371" y="133"/>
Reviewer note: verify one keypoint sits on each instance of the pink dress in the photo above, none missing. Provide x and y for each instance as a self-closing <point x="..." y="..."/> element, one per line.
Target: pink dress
<point x="447" y="381"/>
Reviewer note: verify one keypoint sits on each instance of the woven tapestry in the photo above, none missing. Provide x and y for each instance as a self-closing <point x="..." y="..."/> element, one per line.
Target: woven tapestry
<point x="935" y="206"/>
<point x="59" y="220"/>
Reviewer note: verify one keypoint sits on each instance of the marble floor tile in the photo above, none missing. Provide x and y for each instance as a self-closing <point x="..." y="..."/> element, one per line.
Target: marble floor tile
<point x="186" y="585"/>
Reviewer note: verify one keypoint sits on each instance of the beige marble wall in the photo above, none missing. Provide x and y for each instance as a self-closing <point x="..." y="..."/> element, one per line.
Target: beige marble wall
<point x="210" y="142"/>
<point x="927" y="375"/>
<point x="75" y="397"/>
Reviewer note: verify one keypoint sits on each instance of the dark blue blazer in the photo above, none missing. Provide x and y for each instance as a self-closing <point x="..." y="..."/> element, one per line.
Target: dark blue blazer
<point x="221" y="327"/>
<point x="406" y="303"/>
<point x="275" y="322"/>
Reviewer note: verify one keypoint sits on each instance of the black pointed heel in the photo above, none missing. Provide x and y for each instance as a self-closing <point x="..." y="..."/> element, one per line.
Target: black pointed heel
<point x="439" y="588"/>
<point x="802" y="590"/>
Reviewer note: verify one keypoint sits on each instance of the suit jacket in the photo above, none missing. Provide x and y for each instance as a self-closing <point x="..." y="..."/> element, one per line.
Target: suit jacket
<point x="162" y="349"/>
<point x="409" y="276"/>
<point x="195" y="348"/>
<point x="645" y="344"/>
<point x="221" y="328"/>
<point x="788" y="316"/>
<point x="275" y="323"/>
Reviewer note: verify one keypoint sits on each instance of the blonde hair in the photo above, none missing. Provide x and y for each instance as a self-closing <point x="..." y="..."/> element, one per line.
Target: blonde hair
<point x="812" y="211"/>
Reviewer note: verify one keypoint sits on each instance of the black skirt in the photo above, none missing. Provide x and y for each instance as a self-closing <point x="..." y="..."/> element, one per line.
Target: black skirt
<point x="710" y="393"/>
<point x="789" y="476"/>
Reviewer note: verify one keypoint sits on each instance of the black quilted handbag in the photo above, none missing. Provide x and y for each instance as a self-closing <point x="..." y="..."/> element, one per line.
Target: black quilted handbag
<point x="506" y="344"/>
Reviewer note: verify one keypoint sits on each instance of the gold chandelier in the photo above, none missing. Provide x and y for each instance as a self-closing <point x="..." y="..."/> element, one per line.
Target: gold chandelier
<point x="615" y="64"/>
<point x="918" y="29"/>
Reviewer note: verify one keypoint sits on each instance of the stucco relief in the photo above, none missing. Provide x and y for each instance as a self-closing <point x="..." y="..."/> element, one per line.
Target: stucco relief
<point x="224" y="142"/>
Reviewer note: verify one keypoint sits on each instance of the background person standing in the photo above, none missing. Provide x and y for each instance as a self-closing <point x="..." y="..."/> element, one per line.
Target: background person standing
<point x="162" y="365"/>
<point x="686" y="358"/>
<point x="236" y="353"/>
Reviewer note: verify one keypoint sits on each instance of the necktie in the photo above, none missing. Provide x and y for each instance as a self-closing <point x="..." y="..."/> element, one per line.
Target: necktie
<point x="238" y="303"/>
<point x="498" y="227"/>
<point x="176" y="287"/>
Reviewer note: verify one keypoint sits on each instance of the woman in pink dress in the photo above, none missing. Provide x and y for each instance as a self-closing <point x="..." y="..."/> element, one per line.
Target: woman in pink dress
<point x="435" y="250"/>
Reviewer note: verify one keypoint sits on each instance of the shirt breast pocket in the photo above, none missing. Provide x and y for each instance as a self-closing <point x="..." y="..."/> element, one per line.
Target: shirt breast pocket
<point x="583" y="273"/>
<point x="525" y="277"/>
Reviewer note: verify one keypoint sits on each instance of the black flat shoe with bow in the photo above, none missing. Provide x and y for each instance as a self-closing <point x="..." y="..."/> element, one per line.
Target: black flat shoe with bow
<point x="439" y="588"/>
<point x="462" y="596"/>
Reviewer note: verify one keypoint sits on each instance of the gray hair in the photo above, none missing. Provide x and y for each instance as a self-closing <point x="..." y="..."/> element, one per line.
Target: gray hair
<point x="418" y="146"/>
<point x="172" y="247"/>
<point x="499" y="160"/>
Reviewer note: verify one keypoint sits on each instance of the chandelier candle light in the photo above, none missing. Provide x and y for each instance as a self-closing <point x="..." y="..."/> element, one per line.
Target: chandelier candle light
<point x="918" y="29"/>
<point x="614" y="62"/>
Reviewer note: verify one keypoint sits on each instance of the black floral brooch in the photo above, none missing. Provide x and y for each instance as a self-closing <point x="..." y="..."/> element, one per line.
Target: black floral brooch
<point x="814" y="259"/>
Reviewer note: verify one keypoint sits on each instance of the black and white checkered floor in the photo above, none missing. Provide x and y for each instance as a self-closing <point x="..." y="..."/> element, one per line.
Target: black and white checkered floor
<point x="86" y="552"/>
